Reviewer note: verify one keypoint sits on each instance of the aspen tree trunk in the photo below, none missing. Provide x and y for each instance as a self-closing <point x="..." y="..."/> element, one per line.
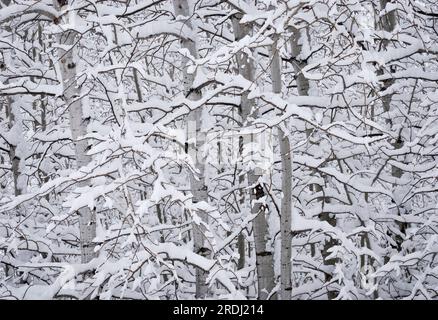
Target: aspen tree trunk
<point x="78" y="128"/>
<point x="195" y="144"/>
<point x="264" y="257"/>
<point x="297" y="63"/>
<point x="303" y="89"/>
<point x="388" y="23"/>
<point x="286" y="187"/>
<point x="42" y="123"/>
<point x="13" y="116"/>
<point x="15" y="125"/>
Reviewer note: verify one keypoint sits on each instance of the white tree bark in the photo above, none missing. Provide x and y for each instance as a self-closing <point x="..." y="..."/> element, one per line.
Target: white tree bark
<point x="16" y="129"/>
<point x="78" y="128"/>
<point x="389" y="23"/>
<point x="286" y="187"/>
<point x="16" y="157"/>
<point x="264" y="257"/>
<point x="297" y="62"/>
<point x="195" y="145"/>
<point x="298" y="39"/>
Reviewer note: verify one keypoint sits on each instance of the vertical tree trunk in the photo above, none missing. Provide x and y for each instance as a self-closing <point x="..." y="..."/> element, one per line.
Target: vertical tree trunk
<point x="195" y="144"/>
<point x="388" y="23"/>
<point x="78" y="128"/>
<point x="303" y="89"/>
<point x="15" y="126"/>
<point x="264" y="257"/>
<point x="286" y="187"/>
<point x="17" y="163"/>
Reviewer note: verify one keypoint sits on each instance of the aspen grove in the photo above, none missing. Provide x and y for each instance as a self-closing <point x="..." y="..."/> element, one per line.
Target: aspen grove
<point x="218" y="149"/>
